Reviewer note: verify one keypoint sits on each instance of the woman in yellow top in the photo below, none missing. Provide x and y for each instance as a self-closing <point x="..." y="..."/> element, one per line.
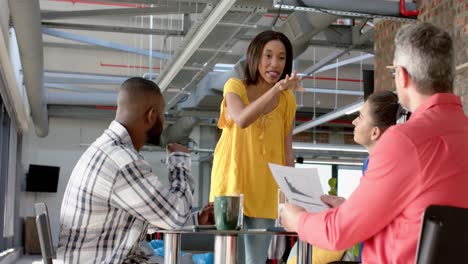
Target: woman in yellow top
<point x="256" y="117"/>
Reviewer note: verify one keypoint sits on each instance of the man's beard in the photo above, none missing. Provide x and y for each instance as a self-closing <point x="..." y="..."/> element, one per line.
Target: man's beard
<point x="154" y="134"/>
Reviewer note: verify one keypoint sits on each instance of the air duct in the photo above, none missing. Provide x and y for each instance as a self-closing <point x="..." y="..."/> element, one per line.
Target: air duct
<point x="27" y="22"/>
<point x="299" y="27"/>
<point x="362" y="8"/>
<point x="179" y="131"/>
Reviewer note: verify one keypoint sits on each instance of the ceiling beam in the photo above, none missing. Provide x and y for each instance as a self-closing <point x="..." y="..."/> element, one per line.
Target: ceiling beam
<point x="163" y="9"/>
<point x="115" y="29"/>
<point x="65" y="77"/>
<point x="197" y="34"/>
<point x="358" y="39"/>
<point x="345" y="62"/>
<point x="329" y="116"/>
<point x="150" y="2"/>
<point x="103" y="43"/>
<point x="78" y="88"/>
<point x="210" y="64"/>
<point x="99" y="48"/>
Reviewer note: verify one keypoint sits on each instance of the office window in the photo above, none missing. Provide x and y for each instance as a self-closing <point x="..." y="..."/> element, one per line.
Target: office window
<point x="348" y="179"/>
<point x="4" y="154"/>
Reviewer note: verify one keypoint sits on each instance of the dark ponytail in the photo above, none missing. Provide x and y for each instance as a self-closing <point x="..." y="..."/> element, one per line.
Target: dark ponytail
<point x="383" y="106"/>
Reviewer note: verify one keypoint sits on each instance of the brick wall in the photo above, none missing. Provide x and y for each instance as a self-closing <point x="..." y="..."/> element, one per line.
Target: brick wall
<point x="309" y="137"/>
<point x="460" y="35"/>
<point x="384" y="35"/>
<point x="452" y="15"/>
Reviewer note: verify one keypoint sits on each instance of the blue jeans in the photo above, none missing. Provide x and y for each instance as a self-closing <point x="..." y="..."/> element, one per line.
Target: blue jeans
<point x="253" y="249"/>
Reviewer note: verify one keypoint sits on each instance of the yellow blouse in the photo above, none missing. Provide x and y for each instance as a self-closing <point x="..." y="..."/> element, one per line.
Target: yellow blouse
<point x="241" y="157"/>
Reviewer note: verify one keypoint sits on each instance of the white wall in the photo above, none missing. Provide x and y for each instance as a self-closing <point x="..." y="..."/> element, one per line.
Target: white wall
<point x="4" y="19"/>
<point x="62" y="148"/>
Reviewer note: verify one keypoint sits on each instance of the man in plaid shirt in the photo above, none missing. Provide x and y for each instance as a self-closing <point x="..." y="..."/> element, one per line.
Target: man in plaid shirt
<point x="113" y="196"/>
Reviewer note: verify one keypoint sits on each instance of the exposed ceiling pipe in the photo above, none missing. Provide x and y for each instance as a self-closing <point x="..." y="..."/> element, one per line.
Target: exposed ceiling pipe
<point x="102" y="43"/>
<point x="60" y="77"/>
<point x="27" y="22"/>
<point x="115" y="29"/>
<point x="345" y="62"/>
<point x="107" y="3"/>
<point x="77" y="98"/>
<point x="209" y="65"/>
<point x="357" y="40"/>
<point x="78" y="88"/>
<point x="300" y="27"/>
<point x="360" y="8"/>
<point x="173" y="8"/>
<point x="329" y="116"/>
<point x="197" y="34"/>
<point x="179" y="131"/>
<point x="11" y="94"/>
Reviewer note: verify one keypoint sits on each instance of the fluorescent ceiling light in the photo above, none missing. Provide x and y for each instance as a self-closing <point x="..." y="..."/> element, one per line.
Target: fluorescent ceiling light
<point x="328" y="147"/>
<point x="333" y="91"/>
<point x="224" y="65"/>
<point x="333" y="162"/>
<point x="355" y="108"/>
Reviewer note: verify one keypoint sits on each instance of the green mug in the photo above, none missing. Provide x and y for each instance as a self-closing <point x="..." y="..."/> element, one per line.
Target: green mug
<point x="226" y="211"/>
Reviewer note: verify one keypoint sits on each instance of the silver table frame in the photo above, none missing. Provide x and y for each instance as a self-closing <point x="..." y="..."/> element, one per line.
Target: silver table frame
<point x="225" y="248"/>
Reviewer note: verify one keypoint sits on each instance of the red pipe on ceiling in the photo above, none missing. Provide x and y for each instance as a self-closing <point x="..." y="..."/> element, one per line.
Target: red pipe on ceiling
<point x="407" y="13"/>
<point x="102" y="3"/>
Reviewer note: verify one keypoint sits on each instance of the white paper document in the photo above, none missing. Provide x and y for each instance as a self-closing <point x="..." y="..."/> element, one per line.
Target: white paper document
<point x="301" y="186"/>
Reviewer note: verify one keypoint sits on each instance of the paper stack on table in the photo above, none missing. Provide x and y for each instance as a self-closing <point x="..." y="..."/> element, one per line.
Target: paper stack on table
<point x="301" y="186"/>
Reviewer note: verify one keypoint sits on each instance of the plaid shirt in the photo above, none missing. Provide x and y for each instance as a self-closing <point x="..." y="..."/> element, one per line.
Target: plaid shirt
<point x="113" y="196"/>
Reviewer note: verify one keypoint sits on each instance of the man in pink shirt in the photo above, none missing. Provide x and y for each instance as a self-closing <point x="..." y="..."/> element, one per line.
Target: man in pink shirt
<point x="414" y="165"/>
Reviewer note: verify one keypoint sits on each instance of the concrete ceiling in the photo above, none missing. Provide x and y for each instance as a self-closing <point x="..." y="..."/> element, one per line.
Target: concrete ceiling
<point x="81" y="39"/>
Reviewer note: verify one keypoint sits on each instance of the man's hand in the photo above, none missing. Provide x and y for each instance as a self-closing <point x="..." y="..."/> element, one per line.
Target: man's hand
<point x="332" y="201"/>
<point x="174" y="147"/>
<point x="290" y="216"/>
<point x="206" y="215"/>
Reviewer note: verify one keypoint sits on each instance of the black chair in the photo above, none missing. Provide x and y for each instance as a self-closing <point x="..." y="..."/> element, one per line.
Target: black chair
<point x="43" y="230"/>
<point x="444" y="235"/>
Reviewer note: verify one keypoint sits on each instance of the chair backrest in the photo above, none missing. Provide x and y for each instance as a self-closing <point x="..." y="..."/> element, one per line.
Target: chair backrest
<point x="444" y="235"/>
<point x="44" y="233"/>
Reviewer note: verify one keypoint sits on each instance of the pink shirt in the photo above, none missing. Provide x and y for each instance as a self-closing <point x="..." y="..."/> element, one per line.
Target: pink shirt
<point x="414" y="165"/>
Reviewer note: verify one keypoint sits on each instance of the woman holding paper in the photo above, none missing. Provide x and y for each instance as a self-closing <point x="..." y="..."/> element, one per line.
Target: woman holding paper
<point x="378" y="113"/>
<point x="256" y="119"/>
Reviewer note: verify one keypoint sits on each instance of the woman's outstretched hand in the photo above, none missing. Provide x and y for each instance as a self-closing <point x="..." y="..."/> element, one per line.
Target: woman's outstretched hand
<point x="290" y="82"/>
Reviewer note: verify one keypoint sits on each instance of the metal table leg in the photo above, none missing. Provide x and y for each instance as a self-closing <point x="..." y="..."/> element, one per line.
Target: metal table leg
<point x="225" y="249"/>
<point x="304" y="251"/>
<point x="171" y="248"/>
